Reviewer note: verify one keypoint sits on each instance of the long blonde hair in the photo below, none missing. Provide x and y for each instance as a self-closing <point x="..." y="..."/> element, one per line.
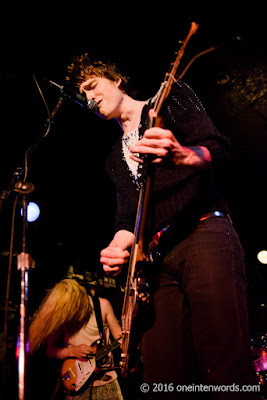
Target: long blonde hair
<point x="66" y="306"/>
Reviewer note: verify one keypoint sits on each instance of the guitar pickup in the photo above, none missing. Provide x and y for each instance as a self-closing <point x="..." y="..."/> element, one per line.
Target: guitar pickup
<point x="80" y="366"/>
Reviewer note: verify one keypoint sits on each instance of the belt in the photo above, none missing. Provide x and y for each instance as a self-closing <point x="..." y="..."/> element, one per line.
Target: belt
<point x="213" y="214"/>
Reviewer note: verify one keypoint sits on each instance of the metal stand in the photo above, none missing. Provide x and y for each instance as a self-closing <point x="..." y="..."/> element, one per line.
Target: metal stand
<point x="24" y="264"/>
<point x="24" y="260"/>
<point x="24" y="189"/>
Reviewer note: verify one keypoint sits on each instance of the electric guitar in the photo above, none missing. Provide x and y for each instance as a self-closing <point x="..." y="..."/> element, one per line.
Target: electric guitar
<point x="75" y="372"/>
<point x="136" y="288"/>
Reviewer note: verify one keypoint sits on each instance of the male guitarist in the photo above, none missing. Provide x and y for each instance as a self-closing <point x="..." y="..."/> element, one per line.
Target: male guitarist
<point x="66" y="321"/>
<point x="198" y="329"/>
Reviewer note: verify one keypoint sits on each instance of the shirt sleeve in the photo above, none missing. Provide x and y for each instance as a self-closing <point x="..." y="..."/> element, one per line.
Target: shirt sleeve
<point x="124" y="217"/>
<point x="126" y="190"/>
<point x="186" y="116"/>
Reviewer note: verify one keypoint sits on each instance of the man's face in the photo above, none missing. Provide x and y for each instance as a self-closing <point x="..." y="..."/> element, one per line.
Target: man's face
<point x="105" y="93"/>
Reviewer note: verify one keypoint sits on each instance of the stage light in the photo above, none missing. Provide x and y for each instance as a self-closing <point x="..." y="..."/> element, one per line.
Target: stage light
<point x="33" y="212"/>
<point x="262" y="256"/>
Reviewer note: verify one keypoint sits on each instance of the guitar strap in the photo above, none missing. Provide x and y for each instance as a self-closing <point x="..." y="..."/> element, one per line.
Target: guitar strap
<point x="144" y="122"/>
<point x="98" y="316"/>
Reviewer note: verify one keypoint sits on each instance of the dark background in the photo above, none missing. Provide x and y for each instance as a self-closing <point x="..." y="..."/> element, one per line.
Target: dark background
<point x="68" y="170"/>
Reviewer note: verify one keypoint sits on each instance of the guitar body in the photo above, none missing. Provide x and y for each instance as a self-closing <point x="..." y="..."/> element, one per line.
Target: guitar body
<point x="75" y="372"/>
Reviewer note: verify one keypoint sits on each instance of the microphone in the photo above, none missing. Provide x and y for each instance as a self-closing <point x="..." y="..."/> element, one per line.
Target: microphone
<point x="77" y="98"/>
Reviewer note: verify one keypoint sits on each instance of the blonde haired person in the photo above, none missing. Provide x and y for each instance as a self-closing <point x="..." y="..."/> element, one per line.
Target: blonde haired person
<point x="66" y="315"/>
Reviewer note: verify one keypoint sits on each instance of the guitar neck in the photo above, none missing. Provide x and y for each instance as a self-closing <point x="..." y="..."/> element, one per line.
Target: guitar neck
<point x="170" y="76"/>
<point x="137" y="253"/>
<point x="142" y="214"/>
<point x="156" y="122"/>
<point x="106" y="349"/>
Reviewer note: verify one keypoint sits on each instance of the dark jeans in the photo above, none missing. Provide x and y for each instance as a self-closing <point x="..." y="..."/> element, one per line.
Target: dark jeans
<point x="199" y="331"/>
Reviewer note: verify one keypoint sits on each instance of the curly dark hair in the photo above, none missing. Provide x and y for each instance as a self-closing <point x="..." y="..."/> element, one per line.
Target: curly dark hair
<point x="82" y="68"/>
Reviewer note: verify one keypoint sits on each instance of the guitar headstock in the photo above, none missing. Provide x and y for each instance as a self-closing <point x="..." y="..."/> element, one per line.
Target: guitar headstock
<point x="170" y="76"/>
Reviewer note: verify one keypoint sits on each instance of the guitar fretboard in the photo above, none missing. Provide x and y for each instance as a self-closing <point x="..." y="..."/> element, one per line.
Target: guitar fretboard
<point x="106" y="349"/>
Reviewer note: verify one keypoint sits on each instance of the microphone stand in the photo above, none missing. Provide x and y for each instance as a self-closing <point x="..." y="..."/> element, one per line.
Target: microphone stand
<point x="6" y="193"/>
<point x="24" y="260"/>
<point x="24" y="264"/>
<point x="24" y="189"/>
